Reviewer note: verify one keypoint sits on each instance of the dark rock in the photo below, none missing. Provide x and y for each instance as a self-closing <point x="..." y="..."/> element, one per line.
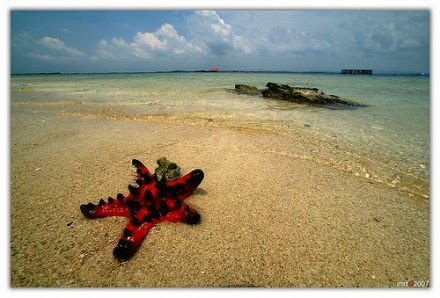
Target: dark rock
<point x="303" y="95"/>
<point x="246" y="89"/>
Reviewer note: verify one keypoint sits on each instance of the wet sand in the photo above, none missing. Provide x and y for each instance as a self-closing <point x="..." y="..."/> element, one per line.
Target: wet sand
<point x="277" y="210"/>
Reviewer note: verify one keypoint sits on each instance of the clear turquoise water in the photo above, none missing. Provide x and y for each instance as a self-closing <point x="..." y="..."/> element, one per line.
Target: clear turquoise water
<point x="395" y="125"/>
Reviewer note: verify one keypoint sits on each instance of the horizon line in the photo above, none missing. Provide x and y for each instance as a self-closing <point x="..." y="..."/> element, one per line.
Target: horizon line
<point x="375" y="72"/>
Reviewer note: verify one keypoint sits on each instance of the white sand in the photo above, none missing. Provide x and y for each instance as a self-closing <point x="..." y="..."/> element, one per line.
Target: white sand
<point x="277" y="209"/>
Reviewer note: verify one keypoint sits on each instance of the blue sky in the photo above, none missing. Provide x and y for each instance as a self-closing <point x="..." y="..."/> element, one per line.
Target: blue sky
<point x="277" y="40"/>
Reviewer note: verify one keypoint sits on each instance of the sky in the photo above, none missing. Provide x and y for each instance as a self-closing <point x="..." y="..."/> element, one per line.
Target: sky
<point x="245" y="40"/>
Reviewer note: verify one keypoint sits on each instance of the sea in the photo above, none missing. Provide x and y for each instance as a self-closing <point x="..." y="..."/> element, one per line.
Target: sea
<point x="392" y="128"/>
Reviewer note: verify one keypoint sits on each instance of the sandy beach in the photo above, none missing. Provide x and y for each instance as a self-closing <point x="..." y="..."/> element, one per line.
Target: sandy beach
<point x="278" y="209"/>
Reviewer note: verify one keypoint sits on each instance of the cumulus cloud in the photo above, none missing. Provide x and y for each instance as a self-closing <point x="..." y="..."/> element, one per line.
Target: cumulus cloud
<point x="147" y="45"/>
<point x="386" y="32"/>
<point x="410" y="43"/>
<point x="252" y="33"/>
<point x="164" y="40"/>
<point x="248" y="39"/>
<point x="43" y="57"/>
<point x="207" y="34"/>
<point x="114" y="49"/>
<point x="210" y="32"/>
<point x="57" y="45"/>
<point x="147" y="42"/>
<point x="290" y="40"/>
<point x="54" y="50"/>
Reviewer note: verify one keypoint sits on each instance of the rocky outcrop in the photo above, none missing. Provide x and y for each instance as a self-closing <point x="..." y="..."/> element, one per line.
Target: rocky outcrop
<point x="304" y="95"/>
<point x="246" y="89"/>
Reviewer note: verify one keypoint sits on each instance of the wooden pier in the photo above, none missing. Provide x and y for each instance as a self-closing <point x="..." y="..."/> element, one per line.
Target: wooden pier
<point x="357" y="71"/>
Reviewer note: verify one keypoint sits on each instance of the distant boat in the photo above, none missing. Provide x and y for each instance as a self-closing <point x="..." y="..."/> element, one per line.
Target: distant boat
<point x="214" y="69"/>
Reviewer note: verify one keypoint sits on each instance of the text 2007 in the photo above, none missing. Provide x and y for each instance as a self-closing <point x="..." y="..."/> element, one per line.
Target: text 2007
<point x="413" y="284"/>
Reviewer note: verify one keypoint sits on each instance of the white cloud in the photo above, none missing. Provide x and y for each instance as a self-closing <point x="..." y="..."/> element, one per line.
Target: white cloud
<point x="384" y="32"/>
<point x="254" y="32"/>
<point x="116" y="49"/>
<point x="52" y="43"/>
<point x="290" y="40"/>
<point x="208" y="35"/>
<point x="245" y="39"/>
<point x="57" y="45"/>
<point x="210" y="32"/>
<point x="43" y="57"/>
<point x="54" y="50"/>
<point x="410" y="43"/>
<point x="213" y="21"/>
<point x="147" y="45"/>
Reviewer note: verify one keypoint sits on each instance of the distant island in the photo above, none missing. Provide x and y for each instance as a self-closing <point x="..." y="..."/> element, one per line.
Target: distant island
<point x="213" y="69"/>
<point x="357" y="71"/>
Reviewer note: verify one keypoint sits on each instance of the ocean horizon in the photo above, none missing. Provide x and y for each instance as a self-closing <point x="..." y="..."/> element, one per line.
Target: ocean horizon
<point x="374" y="72"/>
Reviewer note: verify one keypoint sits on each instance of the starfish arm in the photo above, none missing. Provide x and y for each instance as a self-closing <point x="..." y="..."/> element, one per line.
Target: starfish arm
<point x="103" y="209"/>
<point x="143" y="174"/>
<point x="131" y="240"/>
<point x="184" y="186"/>
<point x="184" y="214"/>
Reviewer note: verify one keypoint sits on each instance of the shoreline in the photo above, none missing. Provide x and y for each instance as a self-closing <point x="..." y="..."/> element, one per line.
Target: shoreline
<point x="275" y="212"/>
<point x="323" y="149"/>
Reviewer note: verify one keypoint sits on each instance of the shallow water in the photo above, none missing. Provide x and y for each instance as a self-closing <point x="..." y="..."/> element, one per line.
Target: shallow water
<point x="394" y="128"/>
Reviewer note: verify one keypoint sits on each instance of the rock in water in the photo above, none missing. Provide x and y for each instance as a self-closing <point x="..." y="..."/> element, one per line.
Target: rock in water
<point x="303" y="95"/>
<point x="246" y="89"/>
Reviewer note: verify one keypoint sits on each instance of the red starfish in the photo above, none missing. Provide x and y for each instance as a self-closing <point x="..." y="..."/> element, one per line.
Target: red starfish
<point x="147" y="205"/>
